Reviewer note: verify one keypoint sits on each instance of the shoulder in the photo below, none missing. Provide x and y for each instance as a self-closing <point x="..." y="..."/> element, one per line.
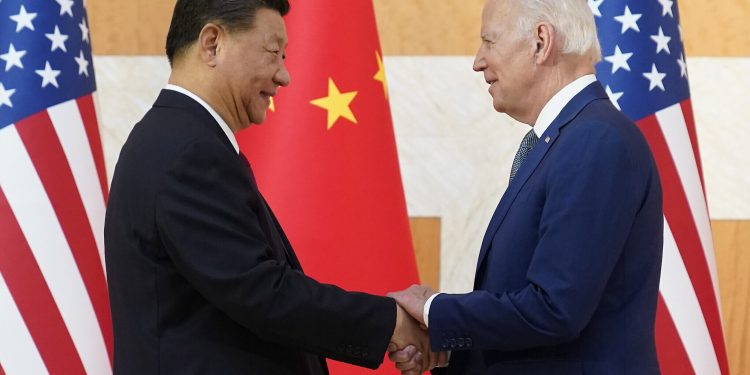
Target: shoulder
<point x="601" y="139"/>
<point x="165" y="132"/>
<point x="166" y="140"/>
<point x="600" y="126"/>
<point x="170" y="125"/>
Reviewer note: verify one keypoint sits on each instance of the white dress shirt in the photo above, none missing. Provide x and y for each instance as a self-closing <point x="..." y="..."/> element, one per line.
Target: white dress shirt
<point x="549" y="113"/>
<point x="556" y="104"/>
<point x="223" y="124"/>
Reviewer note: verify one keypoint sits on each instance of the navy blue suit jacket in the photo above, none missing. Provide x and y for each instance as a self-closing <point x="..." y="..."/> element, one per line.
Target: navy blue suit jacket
<point x="568" y="273"/>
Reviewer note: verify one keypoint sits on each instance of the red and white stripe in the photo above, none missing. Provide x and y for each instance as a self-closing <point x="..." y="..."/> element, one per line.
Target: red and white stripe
<point x="689" y="330"/>
<point x="18" y="353"/>
<point x="53" y="292"/>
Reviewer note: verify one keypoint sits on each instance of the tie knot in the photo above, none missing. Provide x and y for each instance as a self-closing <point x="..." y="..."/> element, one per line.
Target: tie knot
<point x="530" y="139"/>
<point x="526" y="145"/>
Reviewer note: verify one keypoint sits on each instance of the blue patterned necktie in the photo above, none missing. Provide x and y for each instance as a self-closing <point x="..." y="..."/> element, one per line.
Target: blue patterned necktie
<point x="526" y="145"/>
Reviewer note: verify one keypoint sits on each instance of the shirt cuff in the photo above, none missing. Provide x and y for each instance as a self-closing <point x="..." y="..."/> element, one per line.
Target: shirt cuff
<point x="426" y="312"/>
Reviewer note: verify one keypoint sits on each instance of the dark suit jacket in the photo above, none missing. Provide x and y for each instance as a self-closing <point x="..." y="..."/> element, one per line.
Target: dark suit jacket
<point x="202" y="279"/>
<point x="568" y="272"/>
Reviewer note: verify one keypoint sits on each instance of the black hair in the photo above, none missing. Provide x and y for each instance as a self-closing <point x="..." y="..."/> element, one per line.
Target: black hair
<point x="190" y="16"/>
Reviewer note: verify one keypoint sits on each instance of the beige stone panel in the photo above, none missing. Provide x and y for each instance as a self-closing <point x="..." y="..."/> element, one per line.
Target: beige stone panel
<point x="413" y="27"/>
<point x="732" y="239"/>
<point x="451" y="27"/>
<point x="715" y="28"/>
<point x="425" y="233"/>
<point x="720" y="88"/>
<point x="428" y="27"/>
<point x="407" y="27"/>
<point x="129" y="27"/>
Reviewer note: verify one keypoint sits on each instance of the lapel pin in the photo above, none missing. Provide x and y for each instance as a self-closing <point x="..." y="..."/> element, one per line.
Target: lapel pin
<point x="546" y="140"/>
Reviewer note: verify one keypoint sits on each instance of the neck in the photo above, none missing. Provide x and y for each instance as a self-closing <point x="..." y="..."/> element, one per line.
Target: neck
<point x="552" y="80"/>
<point x="198" y="84"/>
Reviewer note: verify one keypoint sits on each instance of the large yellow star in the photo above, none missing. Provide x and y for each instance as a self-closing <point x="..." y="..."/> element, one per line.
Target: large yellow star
<point x="380" y="75"/>
<point x="337" y="104"/>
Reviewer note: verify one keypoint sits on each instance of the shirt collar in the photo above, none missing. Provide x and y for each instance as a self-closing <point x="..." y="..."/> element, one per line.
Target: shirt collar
<point x="222" y="123"/>
<point x="555" y="105"/>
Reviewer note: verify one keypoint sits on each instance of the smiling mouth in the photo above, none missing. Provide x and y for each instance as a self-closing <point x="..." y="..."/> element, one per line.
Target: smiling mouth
<point x="267" y="95"/>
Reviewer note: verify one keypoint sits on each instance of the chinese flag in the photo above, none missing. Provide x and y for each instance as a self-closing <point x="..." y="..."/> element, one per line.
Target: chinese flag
<point x="325" y="158"/>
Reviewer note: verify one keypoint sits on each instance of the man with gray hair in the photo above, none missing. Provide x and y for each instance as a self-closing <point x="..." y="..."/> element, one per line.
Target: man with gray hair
<point x="568" y="272"/>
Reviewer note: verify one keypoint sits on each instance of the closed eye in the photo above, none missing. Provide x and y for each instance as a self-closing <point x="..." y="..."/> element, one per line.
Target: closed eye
<point x="277" y="53"/>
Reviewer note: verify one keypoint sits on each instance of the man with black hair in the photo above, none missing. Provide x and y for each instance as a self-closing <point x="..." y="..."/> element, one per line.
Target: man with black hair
<point x="202" y="279"/>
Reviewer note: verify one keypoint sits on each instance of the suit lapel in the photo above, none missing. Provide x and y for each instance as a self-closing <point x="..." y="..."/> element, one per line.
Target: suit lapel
<point x="570" y="111"/>
<point x="278" y="238"/>
<point x="274" y="231"/>
<point x="174" y="99"/>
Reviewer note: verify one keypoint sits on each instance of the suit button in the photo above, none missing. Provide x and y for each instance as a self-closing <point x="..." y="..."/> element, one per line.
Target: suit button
<point x="468" y="343"/>
<point x="460" y="343"/>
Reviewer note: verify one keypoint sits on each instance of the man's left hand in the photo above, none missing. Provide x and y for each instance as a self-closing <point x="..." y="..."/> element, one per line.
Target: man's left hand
<point x="413" y="299"/>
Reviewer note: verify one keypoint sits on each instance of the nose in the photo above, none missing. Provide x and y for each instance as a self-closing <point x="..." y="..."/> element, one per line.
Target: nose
<point x="282" y="77"/>
<point x="479" y="63"/>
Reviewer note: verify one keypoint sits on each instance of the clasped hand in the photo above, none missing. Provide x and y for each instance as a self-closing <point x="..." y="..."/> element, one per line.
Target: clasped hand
<point x="410" y="345"/>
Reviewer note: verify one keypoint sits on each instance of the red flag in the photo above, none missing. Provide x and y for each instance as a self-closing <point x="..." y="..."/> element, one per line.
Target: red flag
<point x="54" y="306"/>
<point x="326" y="156"/>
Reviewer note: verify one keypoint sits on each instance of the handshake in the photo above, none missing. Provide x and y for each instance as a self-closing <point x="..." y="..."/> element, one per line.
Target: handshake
<point x="409" y="348"/>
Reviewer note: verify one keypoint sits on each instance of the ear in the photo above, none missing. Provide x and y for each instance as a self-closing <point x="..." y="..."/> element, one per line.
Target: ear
<point x="545" y="42"/>
<point x="209" y="42"/>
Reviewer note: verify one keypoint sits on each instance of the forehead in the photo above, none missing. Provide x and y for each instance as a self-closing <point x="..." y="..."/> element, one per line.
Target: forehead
<point x="496" y="15"/>
<point x="269" y="26"/>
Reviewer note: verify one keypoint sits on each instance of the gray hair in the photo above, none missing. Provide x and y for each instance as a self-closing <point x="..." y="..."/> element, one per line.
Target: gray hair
<point x="572" y="19"/>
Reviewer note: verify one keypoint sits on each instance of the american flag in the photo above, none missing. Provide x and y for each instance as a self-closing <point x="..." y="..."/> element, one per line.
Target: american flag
<point x="645" y="75"/>
<point x="54" y="307"/>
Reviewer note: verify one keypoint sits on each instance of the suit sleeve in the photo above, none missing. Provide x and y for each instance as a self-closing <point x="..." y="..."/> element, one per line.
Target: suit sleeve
<point x="593" y="192"/>
<point x="205" y="214"/>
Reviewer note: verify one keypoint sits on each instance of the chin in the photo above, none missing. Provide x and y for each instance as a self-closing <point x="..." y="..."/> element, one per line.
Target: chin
<point x="256" y="118"/>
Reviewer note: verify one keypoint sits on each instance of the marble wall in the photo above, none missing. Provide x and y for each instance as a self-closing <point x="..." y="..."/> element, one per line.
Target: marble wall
<point x="456" y="151"/>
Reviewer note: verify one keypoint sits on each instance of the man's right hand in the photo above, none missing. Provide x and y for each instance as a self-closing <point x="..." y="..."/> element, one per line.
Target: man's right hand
<point x="410" y="345"/>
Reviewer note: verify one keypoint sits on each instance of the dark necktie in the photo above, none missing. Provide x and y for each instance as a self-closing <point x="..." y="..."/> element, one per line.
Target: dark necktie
<point x="523" y="151"/>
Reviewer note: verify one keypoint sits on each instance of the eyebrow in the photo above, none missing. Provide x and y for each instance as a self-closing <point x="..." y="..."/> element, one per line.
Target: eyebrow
<point x="491" y="33"/>
<point x="281" y="39"/>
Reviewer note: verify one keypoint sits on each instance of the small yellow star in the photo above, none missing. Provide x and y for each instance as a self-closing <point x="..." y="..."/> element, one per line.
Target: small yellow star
<point x="336" y="103"/>
<point x="272" y="105"/>
<point x="380" y="75"/>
